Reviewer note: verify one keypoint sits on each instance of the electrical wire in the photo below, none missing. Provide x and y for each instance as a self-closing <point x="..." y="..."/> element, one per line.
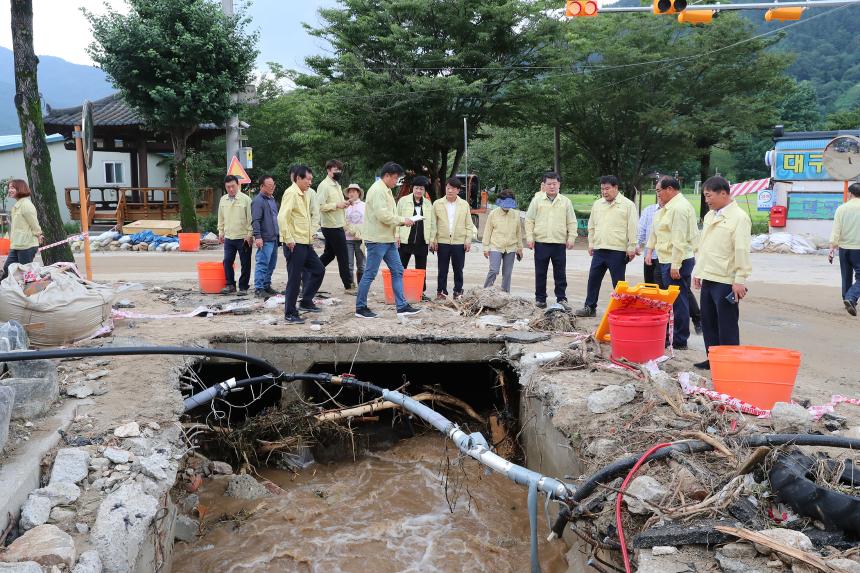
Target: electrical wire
<point x="620" y="498"/>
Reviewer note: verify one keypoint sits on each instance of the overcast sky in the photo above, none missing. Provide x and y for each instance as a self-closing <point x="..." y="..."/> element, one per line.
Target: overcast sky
<point x="61" y="30"/>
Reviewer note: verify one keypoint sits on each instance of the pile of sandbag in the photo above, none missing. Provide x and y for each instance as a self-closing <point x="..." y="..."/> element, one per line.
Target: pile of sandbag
<point x="787" y="243"/>
<point x="55" y="303"/>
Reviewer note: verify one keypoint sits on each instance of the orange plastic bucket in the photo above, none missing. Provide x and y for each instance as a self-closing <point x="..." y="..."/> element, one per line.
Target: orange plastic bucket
<point x="189" y="241"/>
<point x="637" y="334"/>
<point x="755" y="374"/>
<point x="413" y="285"/>
<point x="4" y="246"/>
<point x="211" y="277"/>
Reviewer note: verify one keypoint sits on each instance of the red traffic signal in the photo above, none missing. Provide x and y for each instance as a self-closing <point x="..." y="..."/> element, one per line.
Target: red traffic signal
<point x="581" y="8"/>
<point x="669" y="6"/>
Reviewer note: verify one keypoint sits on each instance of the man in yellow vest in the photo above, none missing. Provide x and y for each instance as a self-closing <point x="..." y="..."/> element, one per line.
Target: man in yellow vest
<point x="295" y="222"/>
<point x="236" y="234"/>
<point x="550" y="229"/>
<point x="332" y="206"/>
<point x="451" y="237"/>
<point x="675" y="236"/>
<point x="722" y="266"/>
<point x="612" y="233"/>
<point x="845" y="238"/>
<point x="379" y="233"/>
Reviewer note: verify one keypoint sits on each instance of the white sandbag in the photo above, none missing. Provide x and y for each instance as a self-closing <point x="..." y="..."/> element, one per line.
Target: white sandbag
<point x="69" y="309"/>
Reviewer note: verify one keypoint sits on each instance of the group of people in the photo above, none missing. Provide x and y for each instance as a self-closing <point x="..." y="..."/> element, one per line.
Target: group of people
<point x="363" y="232"/>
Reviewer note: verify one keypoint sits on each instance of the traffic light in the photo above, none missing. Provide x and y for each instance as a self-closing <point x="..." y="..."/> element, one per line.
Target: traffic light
<point x="696" y="17"/>
<point x="783" y="14"/>
<point x="669" y="6"/>
<point x="581" y="8"/>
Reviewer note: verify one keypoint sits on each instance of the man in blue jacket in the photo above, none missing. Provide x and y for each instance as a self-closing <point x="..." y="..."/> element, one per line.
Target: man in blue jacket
<point x="264" y="220"/>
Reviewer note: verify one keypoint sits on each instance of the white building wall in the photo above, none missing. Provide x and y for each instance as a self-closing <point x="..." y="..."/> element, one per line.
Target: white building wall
<point x="65" y="171"/>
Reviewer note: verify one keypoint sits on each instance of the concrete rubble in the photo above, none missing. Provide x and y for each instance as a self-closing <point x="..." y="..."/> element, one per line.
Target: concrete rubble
<point x="787" y="417"/>
<point x="7" y="402"/>
<point x="71" y="465"/>
<point x="610" y="398"/>
<point x="46" y="544"/>
<point x="129" y="430"/>
<point x="33" y="396"/>
<point x="244" y="486"/>
<point x="88" y="562"/>
<point x="121" y="526"/>
<point x="644" y="489"/>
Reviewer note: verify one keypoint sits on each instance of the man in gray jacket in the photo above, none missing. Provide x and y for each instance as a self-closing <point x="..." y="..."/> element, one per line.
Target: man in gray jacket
<point x="264" y="220"/>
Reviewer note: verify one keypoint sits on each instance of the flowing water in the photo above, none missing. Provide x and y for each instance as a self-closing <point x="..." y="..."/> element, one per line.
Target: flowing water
<point x="390" y="511"/>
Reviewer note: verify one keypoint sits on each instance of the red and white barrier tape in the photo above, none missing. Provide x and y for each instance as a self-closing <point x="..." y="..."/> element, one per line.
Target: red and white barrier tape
<point x="736" y="404"/>
<point x="63" y="242"/>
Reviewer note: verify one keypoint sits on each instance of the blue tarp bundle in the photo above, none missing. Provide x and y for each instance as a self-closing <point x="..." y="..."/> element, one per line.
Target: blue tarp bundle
<point x="152" y="239"/>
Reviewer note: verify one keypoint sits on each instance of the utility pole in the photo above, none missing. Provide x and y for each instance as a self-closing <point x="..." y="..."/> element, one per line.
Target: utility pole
<point x="556" y="164"/>
<point x="233" y="142"/>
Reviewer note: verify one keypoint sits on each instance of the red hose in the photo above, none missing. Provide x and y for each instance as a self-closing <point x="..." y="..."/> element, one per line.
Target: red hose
<point x="620" y="498"/>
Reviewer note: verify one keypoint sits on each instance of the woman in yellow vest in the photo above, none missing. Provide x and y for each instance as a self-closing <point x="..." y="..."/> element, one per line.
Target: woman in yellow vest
<point x="26" y="232"/>
<point x="503" y="239"/>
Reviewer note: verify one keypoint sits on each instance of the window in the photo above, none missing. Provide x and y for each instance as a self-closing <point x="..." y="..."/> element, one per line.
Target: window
<point x="114" y="173"/>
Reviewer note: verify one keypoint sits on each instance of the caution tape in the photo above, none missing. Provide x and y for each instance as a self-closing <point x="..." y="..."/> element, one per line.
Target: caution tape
<point x="63" y="242"/>
<point x="745" y="407"/>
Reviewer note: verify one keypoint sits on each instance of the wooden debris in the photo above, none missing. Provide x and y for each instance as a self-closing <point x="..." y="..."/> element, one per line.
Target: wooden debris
<point x="379" y="405"/>
<point x="753" y="460"/>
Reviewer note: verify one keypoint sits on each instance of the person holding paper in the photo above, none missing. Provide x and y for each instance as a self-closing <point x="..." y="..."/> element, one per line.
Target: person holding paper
<point x="412" y="241"/>
<point x="451" y="236"/>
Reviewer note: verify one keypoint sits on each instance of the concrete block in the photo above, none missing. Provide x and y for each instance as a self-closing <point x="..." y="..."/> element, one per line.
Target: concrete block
<point x="35" y="512"/>
<point x="70" y="465"/>
<point x="46" y="544"/>
<point x="32" y="369"/>
<point x="121" y="527"/>
<point x="89" y="562"/>
<point x="33" y="396"/>
<point x="7" y="402"/>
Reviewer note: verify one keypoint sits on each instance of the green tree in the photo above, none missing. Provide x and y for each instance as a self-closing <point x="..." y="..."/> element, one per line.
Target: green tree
<point x="176" y="62"/>
<point x="404" y="73"/>
<point x="847" y="119"/>
<point x="37" y="159"/>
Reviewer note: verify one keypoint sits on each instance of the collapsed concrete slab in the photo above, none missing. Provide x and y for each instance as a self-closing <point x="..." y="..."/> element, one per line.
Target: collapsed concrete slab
<point x="71" y="465"/>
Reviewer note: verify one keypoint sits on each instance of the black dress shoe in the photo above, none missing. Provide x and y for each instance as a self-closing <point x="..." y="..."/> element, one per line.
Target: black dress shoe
<point x="698" y="327"/>
<point x="704" y="365"/>
<point x="680" y="347"/>
<point x="311" y="307"/>
<point x="540" y="304"/>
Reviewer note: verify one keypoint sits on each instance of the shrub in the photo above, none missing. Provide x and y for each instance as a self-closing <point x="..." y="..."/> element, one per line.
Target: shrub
<point x="208" y="223"/>
<point x="72" y="228"/>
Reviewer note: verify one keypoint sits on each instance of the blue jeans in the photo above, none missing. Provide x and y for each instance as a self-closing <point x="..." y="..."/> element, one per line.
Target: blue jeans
<point x="681" y="307"/>
<point x="604" y="260"/>
<point x="849" y="265"/>
<point x="376" y="253"/>
<point x="266" y="261"/>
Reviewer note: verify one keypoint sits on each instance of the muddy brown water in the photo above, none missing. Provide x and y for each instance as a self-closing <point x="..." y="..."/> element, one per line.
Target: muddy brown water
<point x="387" y="512"/>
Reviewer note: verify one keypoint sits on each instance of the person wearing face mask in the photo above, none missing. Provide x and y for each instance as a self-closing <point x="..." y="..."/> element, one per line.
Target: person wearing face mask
<point x="26" y="232"/>
<point x="295" y="221"/>
<point x="503" y="239"/>
<point x="451" y="236"/>
<point x="414" y="240"/>
<point x="332" y="206"/>
<point x="612" y="234"/>
<point x="550" y="229"/>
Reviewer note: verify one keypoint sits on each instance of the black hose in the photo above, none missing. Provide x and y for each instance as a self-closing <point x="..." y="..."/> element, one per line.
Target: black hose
<point x="223" y="388"/>
<point x="618" y="467"/>
<point x="135" y="351"/>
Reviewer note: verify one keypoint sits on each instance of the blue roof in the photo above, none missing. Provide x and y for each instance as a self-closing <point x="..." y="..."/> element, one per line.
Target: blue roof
<point x="802" y="144"/>
<point x="8" y="142"/>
